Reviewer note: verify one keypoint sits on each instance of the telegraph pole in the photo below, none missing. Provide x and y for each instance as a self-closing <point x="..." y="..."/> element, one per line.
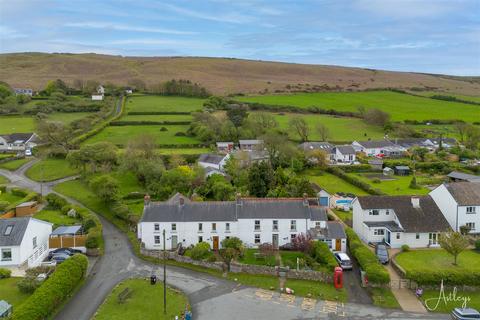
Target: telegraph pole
<point x="164" y="276"/>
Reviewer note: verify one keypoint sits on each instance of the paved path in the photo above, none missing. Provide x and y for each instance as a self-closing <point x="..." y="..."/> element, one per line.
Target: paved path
<point x="211" y="297"/>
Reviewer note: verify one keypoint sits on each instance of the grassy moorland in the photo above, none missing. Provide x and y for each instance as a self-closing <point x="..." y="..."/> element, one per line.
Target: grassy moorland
<point x="143" y="304"/>
<point x="147" y="103"/>
<point x="50" y="169"/>
<point x="122" y="134"/>
<point x="332" y="183"/>
<point x="400" y="106"/>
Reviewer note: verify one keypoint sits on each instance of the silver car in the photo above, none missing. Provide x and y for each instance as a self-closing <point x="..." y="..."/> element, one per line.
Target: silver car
<point x="465" y="314"/>
<point x="343" y="260"/>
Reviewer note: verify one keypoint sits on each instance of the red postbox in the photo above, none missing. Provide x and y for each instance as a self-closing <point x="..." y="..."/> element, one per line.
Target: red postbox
<point x="338" y="278"/>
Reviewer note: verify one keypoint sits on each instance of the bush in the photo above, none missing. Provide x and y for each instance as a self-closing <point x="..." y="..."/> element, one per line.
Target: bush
<point x="66" y="208"/>
<point x="55" y="201"/>
<point x="28" y="285"/>
<point x="180" y="134"/>
<point x="322" y="254"/>
<point x="477" y="245"/>
<point x="5" y="273"/>
<point x="163" y="129"/>
<point x="405" y="248"/>
<point x="4" y="205"/>
<point x="134" y="195"/>
<point x="54" y="290"/>
<point x="88" y="224"/>
<point x="19" y="192"/>
<point x="3" y="188"/>
<point x="200" y="251"/>
<point x="93" y="240"/>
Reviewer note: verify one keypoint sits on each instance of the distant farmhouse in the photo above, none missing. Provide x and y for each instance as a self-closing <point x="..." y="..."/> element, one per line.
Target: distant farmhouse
<point x="18" y="142"/>
<point x="25" y="91"/>
<point x="337" y="154"/>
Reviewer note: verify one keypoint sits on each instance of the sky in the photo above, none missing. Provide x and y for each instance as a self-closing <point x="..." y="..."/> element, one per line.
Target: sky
<point x="432" y="36"/>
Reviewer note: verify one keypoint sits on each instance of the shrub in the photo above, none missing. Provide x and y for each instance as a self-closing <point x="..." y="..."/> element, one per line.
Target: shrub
<point x="3" y="188"/>
<point x="55" y="201"/>
<point x="405" y="248"/>
<point x="233" y="242"/>
<point x="4" y="205"/>
<point x="134" y="195"/>
<point x="5" y="273"/>
<point x="180" y="134"/>
<point x="19" y="192"/>
<point x="88" y="224"/>
<point x="93" y="239"/>
<point x="163" y="129"/>
<point x="376" y="180"/>
<point x="54" y="290"/>
<point x="200" y="251"/>
<point x="66" y="208"/>
<point x="322" y="254"/>
<point x="28" y="285"/>
<point x="477" y="245"/>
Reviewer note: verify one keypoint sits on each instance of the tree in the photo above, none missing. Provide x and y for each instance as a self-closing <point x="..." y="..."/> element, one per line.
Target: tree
<point x="266" y="249"/>
<point x="419" y="153"/>
<point x="261" y="122"/>
<point x="57" y="134"/>
<point x="461" y="128"/>
<point x="231" y="249"/>
<point x="105" y="187"/>
<point x="454" y="243"/>
<point x="5" y="91"/>
<point x="299" y="125"/>
<point x="472" y="137"/>
<point x="176" y="160"/>
<point x="215" y="103"/>
<point x="376" y="117"/>
<point x="142" y="146"/>
<point x="237" y="114"/>
<point x="101" y="154"/>
<point x="323" y="131"/>
<point x="260" y="179"/>
<point x="413" y="183"/>
<point x="318" y="157"/>
<point x="279" y="150"/>
<point x="302" y="243"/>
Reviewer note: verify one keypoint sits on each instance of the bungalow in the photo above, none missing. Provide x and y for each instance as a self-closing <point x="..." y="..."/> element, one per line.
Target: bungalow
<point x="224" y="147"/>
<point x="324" y="146"/>
<point x="446" y="143"/>
<point x="401" y="170"/>
<point x="255" y="221"/>
<point x="97" y="97"/>
<point x="373" y="148"/>
<point x="344" y="154"/>
<point x="460" y="204"/>
<point x="18" y="142"/>
<point x="399" y="220"/>
<point x="25" y="91"/>
<point x="215" y="161"/>
<point x="456" y="176"/>
<point x="250" y="145"/>
<point x="23" y="241"/>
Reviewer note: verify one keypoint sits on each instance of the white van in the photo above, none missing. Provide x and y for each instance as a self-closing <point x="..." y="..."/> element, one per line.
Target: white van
<point x="343" y="260"/>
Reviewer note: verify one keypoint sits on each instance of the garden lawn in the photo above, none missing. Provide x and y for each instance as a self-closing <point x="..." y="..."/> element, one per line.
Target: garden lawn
<point x="249" y="258"/>
<point x="399" y="105"/>
<point x="318" y="290"/>
<point x="16" y="124"/>
<point x="448" y="306"/>
<point x="50" y="169"/>
<point x="3" y="180"/>
<point x="399" y="186"/>
<point x="120" y="135"/>
<point x="127" y="182"/>
<point x="10" y="293"/>
<point x="345" y="216"/>
<point x="438" y="259"/>
<point x="14" y="164"/>
<point x="157" y="117"/>
<point x="289" y="258"/>
<point x="185" y="151"/>
<point x="340" y="128"/>
<point x="7" y="196"/>
<point x="57" y="218"/>
<point x="331" y="183"/>
<point x="152" y="103"/>
<point x="144" y="303"/>
<point x="383" y="297"/>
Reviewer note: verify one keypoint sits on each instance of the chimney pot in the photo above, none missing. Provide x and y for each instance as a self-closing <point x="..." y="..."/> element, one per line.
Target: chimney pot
<point x="416" y="202"/>
<point x="146" y="199"/>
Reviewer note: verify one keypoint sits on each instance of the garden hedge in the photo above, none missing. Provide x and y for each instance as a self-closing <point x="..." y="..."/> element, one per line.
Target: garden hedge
<point x="120" y="123"/>
<point x="146" y="113"/>
<point x="43" y="302"/>
<point x="449" y="277"/>
<point x="322" y="254"/>
<point x="367" y="260"/>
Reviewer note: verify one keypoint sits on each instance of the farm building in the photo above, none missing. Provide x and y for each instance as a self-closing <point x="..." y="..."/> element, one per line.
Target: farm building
<point x="18" y="142"/>
<point x="401" y="170"/>
<point x="250" y="145"/>
<point x="456" y="176"/>
<point x="26" y="209"/>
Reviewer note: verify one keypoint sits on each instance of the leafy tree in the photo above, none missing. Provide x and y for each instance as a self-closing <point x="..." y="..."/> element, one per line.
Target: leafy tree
<point x="419" y="153"/>
<point x="300" y="126"/>
<point x="472" y="137"/>
<point x="5" y="91"/>
<point x="23" y="98"/>
<point x="237" y="114"/>
<point x="376" y="117"/>
<point x="280" y="151"/>
<point x="454" y="243"/>
<point x="215" y="103"/>
<point x="261" y="122"/>
<point x="57" y="134"/>
<point x="176" y="160"/>
<point x="302" y="243"/>
<point x="413" y="183"/>
<point x="323" y="131"/>
<point x="101" y="154"/>
<point x="461" y="128"/>
<point x="180" y="179"/>
<point x="231" y="249"/>
<point x="105" y="187"/>
<point x="318" y="157"/>
<point x="260" y="179"/>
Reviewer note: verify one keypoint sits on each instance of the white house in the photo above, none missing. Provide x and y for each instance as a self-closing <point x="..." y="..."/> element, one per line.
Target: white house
<point x="250" y="145"/>
<point x="101" y="90"/>
<point x="224" y="147"/>
<point x="398" y="220"/>
<point x="254" y="221"/>
<point x="460" y="204"/>
<point x="214" y="161"/>
<point x="18" y="141"/>
<point x="374" y="148"/>
<point x="23" y="241"/>
<point x="344" y="154"/>
<point x="97" y="97"/>
<point x="337" y="154"/>
<point x="25" y="91"/>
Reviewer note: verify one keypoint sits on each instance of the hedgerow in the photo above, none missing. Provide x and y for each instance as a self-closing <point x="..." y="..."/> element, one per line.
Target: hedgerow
<point x="322" y="254"/>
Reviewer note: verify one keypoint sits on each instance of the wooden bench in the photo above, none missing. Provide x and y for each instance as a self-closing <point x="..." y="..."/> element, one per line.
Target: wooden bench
<point x="124" y="295"/>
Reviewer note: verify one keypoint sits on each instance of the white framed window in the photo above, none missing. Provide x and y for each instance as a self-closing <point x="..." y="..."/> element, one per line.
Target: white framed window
<point x="200" y="239"/>
<point x="398" y="236"/>
<point x="200" y="227"/>
<point x="227" y="227"/>
<point x="156" y="227"/>
<point x="293" y="236"/>
<point x="257" y="225"/>
<point x="470" y="225"/>
<point x="379" y="232"/>
<point x="214" y="227"/>
<point x="275" y="225"/>
<point x="293" y="225"/>
<point x="156" y="239"/>
<point x="257" y="238"/>
<point x="387" y="212"/>
<point x="471" y="210"/>
<point x="7" y="254"/>
<point x="174" y="227"/>
<point x="34" y="240"/>
<point x="8" y="230"/>
<point x="317" y="224"/>
<point x="373" y="212"/>
<point x="417" y="236"/>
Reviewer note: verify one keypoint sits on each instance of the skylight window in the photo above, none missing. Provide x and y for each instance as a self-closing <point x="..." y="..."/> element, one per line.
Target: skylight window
<point x="8" y="230"/>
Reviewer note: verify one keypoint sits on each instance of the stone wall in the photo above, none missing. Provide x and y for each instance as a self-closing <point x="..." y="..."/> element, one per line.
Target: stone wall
<point x="174" y="256"/>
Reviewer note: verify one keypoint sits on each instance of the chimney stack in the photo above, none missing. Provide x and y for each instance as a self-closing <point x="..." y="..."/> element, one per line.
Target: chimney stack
<point x="181" y="201"/>
<point x="305" y="200"/>
<point x="146" y="200"/>
<point x="238" y="198"/>
<point x="416" y="202"/>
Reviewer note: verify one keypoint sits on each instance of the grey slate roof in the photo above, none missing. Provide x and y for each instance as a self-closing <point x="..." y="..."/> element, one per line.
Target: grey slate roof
<point x="66" y="230"/>
<point x="376" y="144"/>
<point x="402" y="167"/>
<point x="345" y="149"/>
<point x="253" y="141"/>
<point x="463" y="176"/>
<point x="390" y="225"/>
<point x="465" y="193"/>
<point x="309" y="146"/>
<point x="211" y="158"/>
<point x="427" y="218"/>
<point x="11" y="138"/>
<point x="231" y="211"/>
<point x="17" y="233"/>
<point x="335" y="230"/>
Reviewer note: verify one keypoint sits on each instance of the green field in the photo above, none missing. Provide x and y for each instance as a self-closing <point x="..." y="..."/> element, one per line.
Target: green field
<point x="56" y="217"/>
<point x="68" y="117"/>
<point x="331" y="183"/>
<point x="458" y="96"/>
<point x="14" y="164"/>
<point x="157" y="117"/>
<point x="144" y="303"/>
<point x="3" y="180"/>
<point x="438" y="259"/>
<point x="122" y="134"/>
<point x="152" y="103"/>
<point x="400" y="106"/>
<point x="10" y="293"/>
<point x="340" y="128"/>
<point x="16" y="124"/>
<point x="50" y="169"/>
<point x="398" y="186"/>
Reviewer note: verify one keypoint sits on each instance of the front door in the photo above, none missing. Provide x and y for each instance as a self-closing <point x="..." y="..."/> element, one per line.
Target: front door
<point x="215" y="242"/>
<point x="387" y="237"/>
<point x="174" y="242"/>
<point x="433" y="239"/>
<point x="338" y="245"/>
<point x="275" y="240"/>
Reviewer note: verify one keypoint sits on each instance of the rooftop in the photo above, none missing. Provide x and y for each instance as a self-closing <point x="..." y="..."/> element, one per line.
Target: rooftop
<point x="211" y="158"/>
<point x="465" y="193"/>
<point x="18" y="137"/>
<point x="66" y="230"/>
<point x="463" y="176"/>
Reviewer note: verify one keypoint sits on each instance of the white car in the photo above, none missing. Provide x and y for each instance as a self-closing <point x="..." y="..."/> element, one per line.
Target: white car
<point x="343" y="260"/>
<point x="28" y="152"/>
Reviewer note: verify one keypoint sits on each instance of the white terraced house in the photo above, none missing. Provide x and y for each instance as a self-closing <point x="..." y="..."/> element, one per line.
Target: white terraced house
<point x="460" y="204"/>
<point x="254" y="221"/>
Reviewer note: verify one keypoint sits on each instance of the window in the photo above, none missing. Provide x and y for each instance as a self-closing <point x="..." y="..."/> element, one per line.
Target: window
<point x="156" y="227"/>
<point x="373" y="212"/>
<point x="417" y="236"/>
<point x="200" y="227"/>
<point x="214" y="227"/>
<point x="275" y="225"/>
<point x="227" y="227"/>
<point x="293" y="236"/>
<point x="470" y="210"/>
<point x="6" y="254"/>
<point x="379" y="232"/>
<point x="293" y="225"/>
<point x="257" y="225"/>
<point x="34" y="242"/>
<point x="387" y="212"/>
<point x="227" y="237"/>
<point x="174" y="227"/>
<point x="157" y="239"/>
<point x="471" y="225"/>
<point x="8" y="231"/>
<point x="200" y="239"/>
<point x="317" y="224"/>
<point x="398" y="236"/>
<point x="257" y="238"/>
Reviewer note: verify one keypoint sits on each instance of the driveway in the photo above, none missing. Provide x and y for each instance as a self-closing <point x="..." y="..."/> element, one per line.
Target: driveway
<point x="210" y="297"/>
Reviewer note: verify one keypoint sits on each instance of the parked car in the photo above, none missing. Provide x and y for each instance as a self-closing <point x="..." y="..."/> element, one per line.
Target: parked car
<point x="465" y="314"/>
<point x="343" y="260"/>
<point x="382" y="253"/>
<point x="59" y="257"/>
<point x="288" y="247"/>
<point x="68" y="251"/>
<point x="28" y="152"/>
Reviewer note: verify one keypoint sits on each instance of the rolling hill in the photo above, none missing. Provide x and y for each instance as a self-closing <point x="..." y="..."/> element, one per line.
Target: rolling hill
<point x="219" y="75"/>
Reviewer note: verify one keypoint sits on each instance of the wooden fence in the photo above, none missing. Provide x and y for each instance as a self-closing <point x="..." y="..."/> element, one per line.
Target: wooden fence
<point x="67" y="241"/>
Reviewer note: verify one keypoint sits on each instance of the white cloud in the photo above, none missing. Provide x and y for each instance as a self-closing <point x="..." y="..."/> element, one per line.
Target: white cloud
<point x="124" y="27"/>
<point x="220" y="17"/>
<point x="407" y="8"/>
